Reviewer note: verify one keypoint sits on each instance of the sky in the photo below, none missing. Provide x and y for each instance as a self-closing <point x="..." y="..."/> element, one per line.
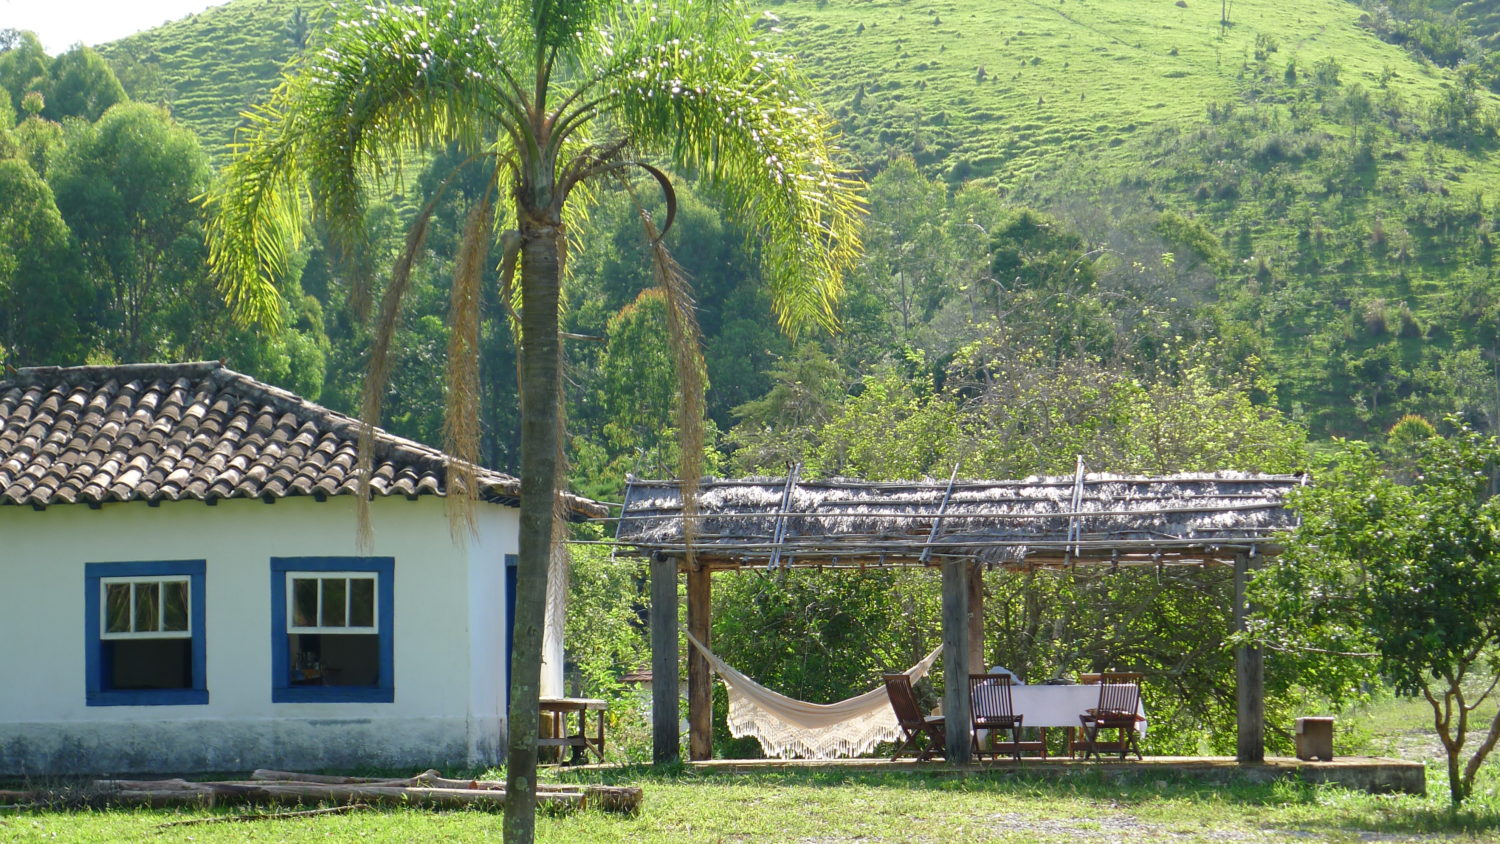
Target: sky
<point x="62" y="23"/>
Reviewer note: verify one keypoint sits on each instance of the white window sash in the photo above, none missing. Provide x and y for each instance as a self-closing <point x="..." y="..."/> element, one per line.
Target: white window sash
<point x="161" y="607"/>
<point x="320" y="577"/>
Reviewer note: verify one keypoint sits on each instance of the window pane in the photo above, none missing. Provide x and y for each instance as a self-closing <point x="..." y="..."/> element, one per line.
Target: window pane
<point x="147" y="599"/>
<point x="117" y="608"/>
<point x="361" y="602"/>
<point x="149" y="664"/>
<point x="304" y="602"/>
<point x="334" y="589"/>
<point x="174" y="610"/>
<point x="350" y="659"/>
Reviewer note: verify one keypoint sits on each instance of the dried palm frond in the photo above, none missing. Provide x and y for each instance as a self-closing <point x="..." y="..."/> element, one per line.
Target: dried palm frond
<point x="685" y="340"/>
<point x="379" y="372"/>
<point x="461" y="412"/>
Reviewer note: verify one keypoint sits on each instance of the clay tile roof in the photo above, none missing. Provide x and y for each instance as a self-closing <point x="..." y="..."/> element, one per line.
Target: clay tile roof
<point x="152" y="432"/>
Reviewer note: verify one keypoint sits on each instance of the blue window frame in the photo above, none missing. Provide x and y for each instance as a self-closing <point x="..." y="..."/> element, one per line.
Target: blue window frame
<point x="144" y="641"/>
<point x="333" y="629"/>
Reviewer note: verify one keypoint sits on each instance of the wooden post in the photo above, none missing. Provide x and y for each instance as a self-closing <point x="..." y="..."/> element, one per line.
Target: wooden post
<point x="977" y="662"/>
<point x="665" y="735"/>
<point x="1249" y="666"/>
<point x="700" y="681"/>
<point x="956" y="657"/>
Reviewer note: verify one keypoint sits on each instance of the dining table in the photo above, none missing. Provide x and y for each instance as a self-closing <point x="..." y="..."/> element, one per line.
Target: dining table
<point x="1060" y="706"/>
<point x="1056" y="706"/>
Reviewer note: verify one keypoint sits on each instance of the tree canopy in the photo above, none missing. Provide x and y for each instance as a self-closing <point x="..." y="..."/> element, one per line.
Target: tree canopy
<point x="1403" y="573"/>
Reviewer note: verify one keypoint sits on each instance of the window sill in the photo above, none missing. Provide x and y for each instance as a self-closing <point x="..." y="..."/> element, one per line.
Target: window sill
<point x="148" y="697"/>
<point x="333" y="694"/>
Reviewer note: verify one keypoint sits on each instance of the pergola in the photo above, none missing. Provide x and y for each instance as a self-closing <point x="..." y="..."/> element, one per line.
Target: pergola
<point x="959" y="526"/>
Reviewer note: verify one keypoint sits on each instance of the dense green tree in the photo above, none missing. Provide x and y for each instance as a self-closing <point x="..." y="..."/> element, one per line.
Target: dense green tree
<point x="23" y="65"/>
<point x="1403" y="577"/>
<point x="905" y="245"/>
<point x="127" y="187"/>
<point x="46" y="304"/>
<point x="782" y="427"/>
<point x="604" y="82"/>
<point x="80" y="83"/>
<point x="38" y="140"/>
<point x="636" y="385"/>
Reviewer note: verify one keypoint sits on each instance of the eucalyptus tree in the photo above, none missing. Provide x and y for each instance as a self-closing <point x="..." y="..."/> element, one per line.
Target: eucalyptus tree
<point x="548" y="97"/>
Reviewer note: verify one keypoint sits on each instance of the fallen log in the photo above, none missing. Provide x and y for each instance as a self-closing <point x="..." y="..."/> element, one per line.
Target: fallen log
<point x="267" y="775"/>
<point x="608" y="798"/>
<point x="269" y="794"/>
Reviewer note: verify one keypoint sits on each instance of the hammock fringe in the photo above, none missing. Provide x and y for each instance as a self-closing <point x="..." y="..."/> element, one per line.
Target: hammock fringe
<point x="788" y="728"/>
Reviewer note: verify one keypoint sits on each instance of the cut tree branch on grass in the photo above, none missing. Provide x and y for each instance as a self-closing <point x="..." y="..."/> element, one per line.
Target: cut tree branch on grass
<point x="434" y="779"/>
<point x="271" y="788"/>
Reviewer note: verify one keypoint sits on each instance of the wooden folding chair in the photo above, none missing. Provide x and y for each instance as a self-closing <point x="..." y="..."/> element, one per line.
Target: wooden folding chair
<point x="1074" y="742"/>
<point x="924" y="735"/>
<point x="1119" y="702"/>
<point x="990" y="709"/>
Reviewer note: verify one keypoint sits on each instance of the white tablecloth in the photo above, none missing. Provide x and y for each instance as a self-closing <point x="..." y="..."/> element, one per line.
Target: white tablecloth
<point x="1059" y="706"/>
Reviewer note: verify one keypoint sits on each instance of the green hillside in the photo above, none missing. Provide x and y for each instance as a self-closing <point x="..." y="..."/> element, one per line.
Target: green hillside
<point x="1059" y="76"/>
<point x="211" y="66"/>
<point x="1349" y="180"/>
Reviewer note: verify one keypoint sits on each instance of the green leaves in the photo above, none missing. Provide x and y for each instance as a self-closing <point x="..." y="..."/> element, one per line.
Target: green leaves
<point x="1408" y="571"/>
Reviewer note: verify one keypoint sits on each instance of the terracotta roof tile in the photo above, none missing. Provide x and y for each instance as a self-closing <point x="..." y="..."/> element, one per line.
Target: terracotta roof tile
<point x="198" y="431"/>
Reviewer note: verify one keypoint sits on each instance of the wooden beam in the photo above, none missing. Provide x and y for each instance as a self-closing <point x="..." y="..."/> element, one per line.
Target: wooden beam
<point x="956" y="657"/>
<point x="700" y="680"/>
<point x="977" y="662"/>
<point x="665" y="733"/>
<point x="1249" y="667"/>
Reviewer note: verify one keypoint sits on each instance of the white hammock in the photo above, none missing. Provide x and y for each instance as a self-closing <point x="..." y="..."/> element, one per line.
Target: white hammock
<point x="787" y="728"/>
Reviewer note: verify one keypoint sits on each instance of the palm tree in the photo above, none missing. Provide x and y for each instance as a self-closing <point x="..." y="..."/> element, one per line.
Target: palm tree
<point x="547" y="97"/>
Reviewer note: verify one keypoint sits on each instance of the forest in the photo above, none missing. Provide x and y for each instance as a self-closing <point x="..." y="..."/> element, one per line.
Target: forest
<point x="1132" y="233"/>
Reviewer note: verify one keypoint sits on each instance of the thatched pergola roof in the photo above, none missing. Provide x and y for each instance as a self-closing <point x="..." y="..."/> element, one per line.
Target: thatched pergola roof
<point x="1037" y="521"/>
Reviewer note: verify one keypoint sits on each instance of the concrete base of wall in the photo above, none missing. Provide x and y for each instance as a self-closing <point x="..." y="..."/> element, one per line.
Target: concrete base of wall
<point x="307" y="744"/>
<point x="1362" y="773"/>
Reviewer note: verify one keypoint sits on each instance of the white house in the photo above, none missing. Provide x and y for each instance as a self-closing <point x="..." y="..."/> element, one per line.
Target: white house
<point x="181" y="588"/>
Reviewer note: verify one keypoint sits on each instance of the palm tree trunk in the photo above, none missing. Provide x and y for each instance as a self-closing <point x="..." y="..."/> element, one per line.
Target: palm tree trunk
<point x="540" y="351"/>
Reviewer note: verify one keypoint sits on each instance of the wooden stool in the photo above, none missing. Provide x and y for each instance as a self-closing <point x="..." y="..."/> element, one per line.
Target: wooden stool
<point x="1315" y="738"/>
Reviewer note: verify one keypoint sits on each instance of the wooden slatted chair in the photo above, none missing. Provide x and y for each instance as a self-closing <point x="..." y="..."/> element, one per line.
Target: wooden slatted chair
<point x="990" y="709"/>
<point x="1075" y="743"/>
<point x="1119" y="702"/>
<point x="924" y="735"/>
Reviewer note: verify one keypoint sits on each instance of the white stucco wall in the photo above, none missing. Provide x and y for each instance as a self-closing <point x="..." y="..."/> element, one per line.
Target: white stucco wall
<point x="448" y="643"/>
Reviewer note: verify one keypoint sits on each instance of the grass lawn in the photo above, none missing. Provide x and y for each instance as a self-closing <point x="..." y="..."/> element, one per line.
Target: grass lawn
<point x="682" y="806"/>
<point x="822" y="806"/>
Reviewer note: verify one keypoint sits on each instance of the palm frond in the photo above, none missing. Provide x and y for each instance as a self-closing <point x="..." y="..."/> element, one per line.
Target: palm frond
<point x="255" y="217"/>
<point x="461" y="413"/>
<point x="397" y="79"/>
<point x="737" y="115"/>
<point x="685" y="341"/>
<point x="378" y="374"/>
